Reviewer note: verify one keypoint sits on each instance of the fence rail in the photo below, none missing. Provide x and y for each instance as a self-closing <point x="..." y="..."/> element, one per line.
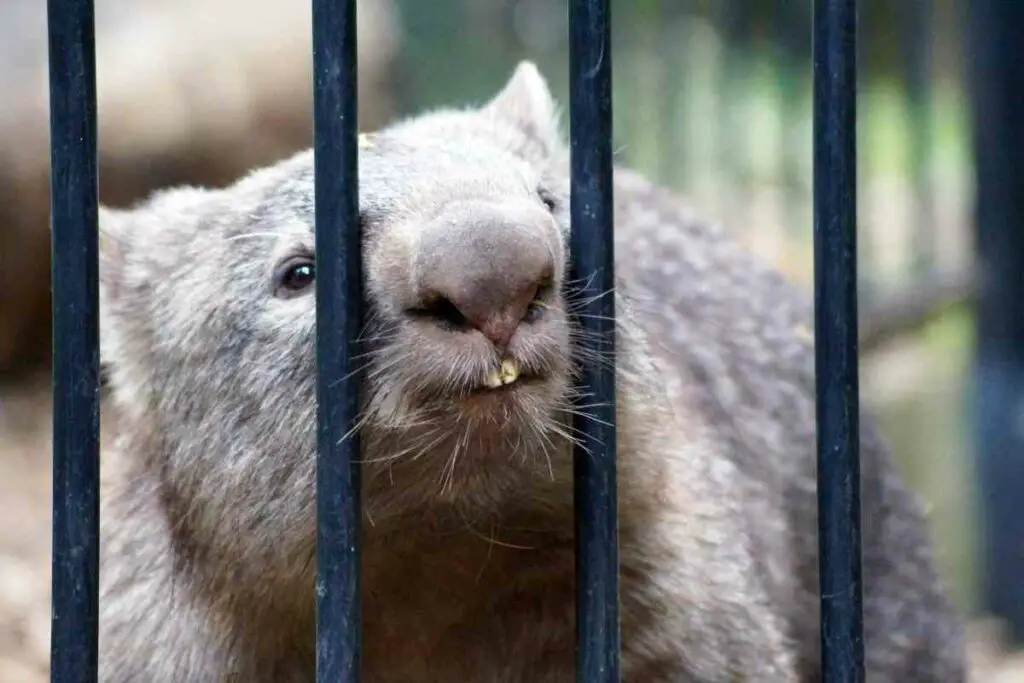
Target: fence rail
<point x="76" y="391"/>
<point x="339" y="302"/>
<point x="594" y="456"/>
<point x="836" y="366"/>
<point x="339" y="320"/>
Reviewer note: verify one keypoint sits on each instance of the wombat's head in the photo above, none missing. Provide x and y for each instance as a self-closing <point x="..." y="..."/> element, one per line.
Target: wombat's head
<point x="209" y="320"/>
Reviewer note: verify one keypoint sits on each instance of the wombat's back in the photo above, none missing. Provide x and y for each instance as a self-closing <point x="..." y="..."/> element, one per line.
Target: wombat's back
<point x="741" y="338"/>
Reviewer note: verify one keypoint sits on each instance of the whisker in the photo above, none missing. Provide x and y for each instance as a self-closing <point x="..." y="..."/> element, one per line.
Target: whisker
<point x="251" y="235"/>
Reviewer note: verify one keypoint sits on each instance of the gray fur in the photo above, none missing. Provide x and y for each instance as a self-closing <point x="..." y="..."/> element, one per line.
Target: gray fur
<point x="209" y="523"/>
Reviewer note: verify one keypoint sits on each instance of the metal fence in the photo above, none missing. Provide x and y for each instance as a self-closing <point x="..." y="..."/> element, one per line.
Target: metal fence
<point x="339" y="301"/>
<point x="76" y="407"/>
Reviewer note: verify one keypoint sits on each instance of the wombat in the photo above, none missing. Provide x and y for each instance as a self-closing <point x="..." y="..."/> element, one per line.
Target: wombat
<point x="209" y="525"/>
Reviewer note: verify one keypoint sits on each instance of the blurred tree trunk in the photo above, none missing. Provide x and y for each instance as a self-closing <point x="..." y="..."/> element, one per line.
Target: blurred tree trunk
<point x="997" y="77"/>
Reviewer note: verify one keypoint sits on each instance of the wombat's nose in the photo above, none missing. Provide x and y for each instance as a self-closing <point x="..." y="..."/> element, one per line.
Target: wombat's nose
<point x="483" y="266"/>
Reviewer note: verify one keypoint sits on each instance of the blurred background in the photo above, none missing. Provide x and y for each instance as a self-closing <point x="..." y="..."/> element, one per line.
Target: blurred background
<point x="712" y="99"/>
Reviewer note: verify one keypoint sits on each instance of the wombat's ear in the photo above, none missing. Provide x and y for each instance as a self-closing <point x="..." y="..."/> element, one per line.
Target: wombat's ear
<point x="527" y="104"/>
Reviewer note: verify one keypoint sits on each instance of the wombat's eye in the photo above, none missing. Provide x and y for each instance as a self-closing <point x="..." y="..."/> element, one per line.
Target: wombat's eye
<point x="293" y="277"/>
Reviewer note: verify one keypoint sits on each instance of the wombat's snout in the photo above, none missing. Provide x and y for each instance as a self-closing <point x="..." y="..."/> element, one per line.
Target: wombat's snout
<point x="487" y="266"/>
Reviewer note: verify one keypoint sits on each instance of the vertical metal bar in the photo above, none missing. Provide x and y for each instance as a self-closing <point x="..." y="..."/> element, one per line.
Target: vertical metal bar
<point x="835" y="301"/>
<point x="596" y="499"/>
<point x="996" y="78"/>
<point x="76" y="425"/>
<point x="339" y="319"/>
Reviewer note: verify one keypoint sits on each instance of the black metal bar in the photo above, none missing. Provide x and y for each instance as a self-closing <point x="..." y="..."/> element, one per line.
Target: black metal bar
<point x="835" y="302"/>
<point x="339" y="319"/>
<point x="76" y="425"/>
<point x="596" y="499"/>
<point x="996" y="77"/>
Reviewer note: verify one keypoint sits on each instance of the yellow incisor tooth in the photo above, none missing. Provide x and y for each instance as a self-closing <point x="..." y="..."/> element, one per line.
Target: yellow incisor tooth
<point x="509" y="371"/>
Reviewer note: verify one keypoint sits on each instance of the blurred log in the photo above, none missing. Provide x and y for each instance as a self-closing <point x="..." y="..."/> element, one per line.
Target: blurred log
<point x="909" y="309"/>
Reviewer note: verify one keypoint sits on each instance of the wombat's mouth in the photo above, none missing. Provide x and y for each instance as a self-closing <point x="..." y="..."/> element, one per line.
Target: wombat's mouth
<point x="509" y="376"/>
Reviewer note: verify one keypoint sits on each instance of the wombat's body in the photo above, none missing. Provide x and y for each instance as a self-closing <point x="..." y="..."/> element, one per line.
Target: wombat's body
<point x="209" y="530"/>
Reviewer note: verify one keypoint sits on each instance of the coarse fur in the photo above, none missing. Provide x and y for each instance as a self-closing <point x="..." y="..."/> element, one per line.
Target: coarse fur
<point x="208" y="549"/>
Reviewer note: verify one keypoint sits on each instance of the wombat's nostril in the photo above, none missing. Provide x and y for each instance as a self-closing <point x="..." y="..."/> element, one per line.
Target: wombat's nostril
<point x="441" y="309"/>
<point x="496" y="319"/>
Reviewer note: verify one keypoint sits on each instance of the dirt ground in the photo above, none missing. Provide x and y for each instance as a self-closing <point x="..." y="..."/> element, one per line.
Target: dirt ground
<point x="25" y="548"/>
